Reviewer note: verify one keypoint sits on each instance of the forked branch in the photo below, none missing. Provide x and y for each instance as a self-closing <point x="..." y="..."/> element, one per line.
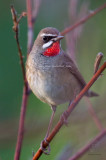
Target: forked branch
<point x="25" y="89"/>
<point x="16" y="30"/>
<point x="93" y="114"/>
<point x="91" y="144"/>
<point x="71" y="48"/>
<point x="70" y="109"/>
<point x="83" y="20"/>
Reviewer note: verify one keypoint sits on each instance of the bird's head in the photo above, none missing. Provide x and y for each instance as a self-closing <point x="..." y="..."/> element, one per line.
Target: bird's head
<point x="48" y="42"/>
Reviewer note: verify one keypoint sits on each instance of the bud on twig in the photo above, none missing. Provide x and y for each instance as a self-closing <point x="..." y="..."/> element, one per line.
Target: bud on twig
<point x="97" y="61"/>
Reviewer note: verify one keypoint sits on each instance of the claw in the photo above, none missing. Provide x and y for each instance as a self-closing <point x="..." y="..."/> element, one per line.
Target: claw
<point x="45" y="150"/>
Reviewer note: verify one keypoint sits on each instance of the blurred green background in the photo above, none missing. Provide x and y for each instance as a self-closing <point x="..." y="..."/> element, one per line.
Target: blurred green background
<point x="81" y="127"/>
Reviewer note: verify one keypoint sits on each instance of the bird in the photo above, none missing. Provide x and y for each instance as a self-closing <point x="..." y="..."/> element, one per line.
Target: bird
<point x="51" y="74"/>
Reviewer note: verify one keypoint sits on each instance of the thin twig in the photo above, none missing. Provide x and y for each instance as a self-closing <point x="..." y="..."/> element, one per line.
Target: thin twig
<point x="90" y="107"/>
<point x="83" y="20"/>
<point x="30" y="25"/>
<point x="15" y="28"/>
<point x="70" y="41"/>
<point x="23" y="14"/>
<point x="25" y="89"/>
<point x="93" y="114"/>
<point x="32" y="13"/>
<point x="36" y="6"/>
<point x="73" y="37"/>
<point x="97" y="61"/>
<point x="69" y="110"/>
<point x="21" y="124"/>
<point x="91" y="144"/>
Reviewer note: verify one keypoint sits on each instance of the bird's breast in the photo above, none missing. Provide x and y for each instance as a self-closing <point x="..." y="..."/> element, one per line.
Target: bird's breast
<point x="52" y="84"/>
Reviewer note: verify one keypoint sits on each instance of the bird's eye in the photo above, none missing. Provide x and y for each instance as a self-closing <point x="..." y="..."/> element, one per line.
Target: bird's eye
<point x="45" y="39"/>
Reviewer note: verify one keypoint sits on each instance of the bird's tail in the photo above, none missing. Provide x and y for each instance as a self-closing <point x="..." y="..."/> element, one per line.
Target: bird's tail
<point x="91" y="94"/>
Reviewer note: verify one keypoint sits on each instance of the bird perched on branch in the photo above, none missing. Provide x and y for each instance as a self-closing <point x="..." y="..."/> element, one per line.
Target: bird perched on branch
<point x="51" y="74"/>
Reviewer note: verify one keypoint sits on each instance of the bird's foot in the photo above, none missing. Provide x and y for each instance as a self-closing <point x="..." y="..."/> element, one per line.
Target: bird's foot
<point x="64" y="117"/>
<point x="45" y="150"/>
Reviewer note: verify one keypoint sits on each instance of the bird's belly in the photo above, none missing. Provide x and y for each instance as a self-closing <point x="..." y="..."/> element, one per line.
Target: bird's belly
<point x="54" y="88"/>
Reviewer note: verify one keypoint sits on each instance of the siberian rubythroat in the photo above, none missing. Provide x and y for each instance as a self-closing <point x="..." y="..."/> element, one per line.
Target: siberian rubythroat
<point x="52" y="75"/>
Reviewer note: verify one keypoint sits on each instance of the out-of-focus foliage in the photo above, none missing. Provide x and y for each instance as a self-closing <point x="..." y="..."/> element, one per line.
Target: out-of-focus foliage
<point x="81" y="126"/>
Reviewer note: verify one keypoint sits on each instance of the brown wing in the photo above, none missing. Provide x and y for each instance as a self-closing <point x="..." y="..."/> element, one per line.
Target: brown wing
<point x="74" y="70"/>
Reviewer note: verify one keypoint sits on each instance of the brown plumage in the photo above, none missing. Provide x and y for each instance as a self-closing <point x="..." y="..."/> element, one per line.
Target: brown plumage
<point x="54" y="78"/>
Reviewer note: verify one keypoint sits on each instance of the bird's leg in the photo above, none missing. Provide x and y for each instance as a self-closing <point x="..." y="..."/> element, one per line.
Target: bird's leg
<point x="51" y="120"/>
<point x="48" y="131"/>
<point x="65" y="114"/>
<point x="63" y="117"/>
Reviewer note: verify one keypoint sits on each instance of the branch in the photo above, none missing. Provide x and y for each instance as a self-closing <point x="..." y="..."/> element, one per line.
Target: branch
<point x="30" y="25"/>
<point x="32" y="15"/>
<point x="25" y="89"/>
<point x="82" y="151"/>
<point x="70" y="41"/>
<point x="93" y="114"/>
<point x="91" y="110"/>
<point x="97" y="61"/>
<point x="83" y="20"/>
<point x="70" y="109"/>
<point x="74" y="36"/>
<point x="15" y="28"/>
<point x="21" y="125"/>
<point x="36" y="6"/>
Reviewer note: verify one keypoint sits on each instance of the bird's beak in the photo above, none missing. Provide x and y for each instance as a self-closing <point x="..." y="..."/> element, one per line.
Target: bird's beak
<point x="57" y="38"/>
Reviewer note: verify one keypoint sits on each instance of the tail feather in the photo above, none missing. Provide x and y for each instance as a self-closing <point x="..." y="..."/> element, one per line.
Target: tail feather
<point x="91" y="94"/>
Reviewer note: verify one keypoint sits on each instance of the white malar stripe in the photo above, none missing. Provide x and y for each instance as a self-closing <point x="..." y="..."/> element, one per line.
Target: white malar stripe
<point x="46" y="45"/>
<point x="44" y="34"/>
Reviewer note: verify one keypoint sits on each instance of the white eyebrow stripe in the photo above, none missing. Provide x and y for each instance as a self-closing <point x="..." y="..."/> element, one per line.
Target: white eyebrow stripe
<point x="47" y="44"/>
<point x="44" y="34"/>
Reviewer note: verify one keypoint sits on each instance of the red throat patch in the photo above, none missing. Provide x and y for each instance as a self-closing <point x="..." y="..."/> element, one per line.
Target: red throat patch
<point x="53" y="50"/>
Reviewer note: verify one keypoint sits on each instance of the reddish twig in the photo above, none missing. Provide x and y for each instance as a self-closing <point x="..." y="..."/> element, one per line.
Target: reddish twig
<point x="23" y="14"/>
<point x="15" y="28"/>
<point x="73" y="36"/>
<point x="36" y="6"/>
<point x="31" y="17"/>
<point x="71" y="39"/>
<point x="97" y="61"/>
<point x="90" y="107"/>
<point x="69" y="110"/>
<point x="30" y="25"/>
<point x="25" y="90"/>
<point x="93" y="114"/>
<point x="21" y="124"/>
<point x="91" y="144"/>
<point x="65" y="31"/>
